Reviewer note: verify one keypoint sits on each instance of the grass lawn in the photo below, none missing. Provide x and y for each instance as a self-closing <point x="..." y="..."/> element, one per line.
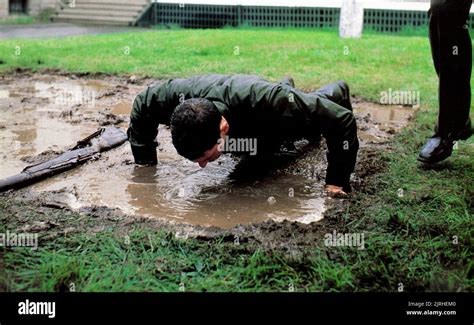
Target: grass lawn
<point x="422" y="240"/>
<point x="21" y="20"/>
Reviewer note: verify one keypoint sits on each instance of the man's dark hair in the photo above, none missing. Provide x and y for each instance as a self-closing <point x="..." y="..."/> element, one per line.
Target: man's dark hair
<point x="195" y="127"/>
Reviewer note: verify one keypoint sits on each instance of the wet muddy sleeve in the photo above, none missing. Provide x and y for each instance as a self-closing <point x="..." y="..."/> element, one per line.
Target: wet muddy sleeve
<point x="147" y="113"/>
<point x="339" y="128"/>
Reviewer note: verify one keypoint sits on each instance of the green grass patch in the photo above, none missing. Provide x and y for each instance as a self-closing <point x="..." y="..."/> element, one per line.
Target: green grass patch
<point x="156" y="261"/>
<point x="418" y="239"/>
<point x="372" y="64"/>
<point x="18" y="20"/>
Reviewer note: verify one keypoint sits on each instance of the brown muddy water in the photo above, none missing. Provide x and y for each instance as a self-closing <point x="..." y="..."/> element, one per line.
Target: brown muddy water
<point x="42" y="115"/>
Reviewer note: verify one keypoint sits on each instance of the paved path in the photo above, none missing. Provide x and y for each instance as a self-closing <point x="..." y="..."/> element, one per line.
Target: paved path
<point x="59" y="30"/>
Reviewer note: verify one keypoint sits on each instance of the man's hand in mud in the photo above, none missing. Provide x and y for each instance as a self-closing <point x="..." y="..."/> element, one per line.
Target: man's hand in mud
<point x="335" y="191"/>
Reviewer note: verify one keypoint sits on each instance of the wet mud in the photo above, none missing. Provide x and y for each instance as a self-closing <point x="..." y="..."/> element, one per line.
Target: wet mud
<point x="44" y="114"/>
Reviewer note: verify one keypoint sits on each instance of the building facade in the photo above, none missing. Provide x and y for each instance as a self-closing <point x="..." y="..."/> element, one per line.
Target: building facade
<point x="30" y="7"/>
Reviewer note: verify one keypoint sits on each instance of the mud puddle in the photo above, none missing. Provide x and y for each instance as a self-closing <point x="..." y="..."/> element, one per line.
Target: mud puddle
<point x="44" y="114"/>
<point x="377" y="123"/>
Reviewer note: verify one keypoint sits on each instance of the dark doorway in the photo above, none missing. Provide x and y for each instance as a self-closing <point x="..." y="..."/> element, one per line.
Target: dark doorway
<point x="17" y="6"/>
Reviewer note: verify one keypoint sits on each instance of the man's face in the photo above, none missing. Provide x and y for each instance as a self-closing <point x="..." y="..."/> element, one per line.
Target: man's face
<point x="208" y="156"/>
<point x="214" y="153"/>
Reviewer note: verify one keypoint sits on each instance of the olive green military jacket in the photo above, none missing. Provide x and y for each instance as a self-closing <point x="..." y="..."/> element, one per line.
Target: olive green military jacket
<point x="254" y="108"/>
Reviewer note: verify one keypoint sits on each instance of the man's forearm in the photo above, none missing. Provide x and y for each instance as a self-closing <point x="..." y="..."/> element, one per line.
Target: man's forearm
<point x="143" y="128"/>
<point x="340" y="168"/>
<point x="339" y="128"/>
<point x="144" y="153"/>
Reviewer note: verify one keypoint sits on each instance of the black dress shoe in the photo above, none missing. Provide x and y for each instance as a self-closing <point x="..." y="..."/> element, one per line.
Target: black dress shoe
<point x="465" y="133"/>
<point x="436" y="149"/>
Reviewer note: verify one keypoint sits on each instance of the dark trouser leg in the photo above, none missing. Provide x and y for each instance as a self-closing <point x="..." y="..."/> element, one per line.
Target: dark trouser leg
<point x="288" y="81"/>
<point x="337" y="92"/>
<point x="452" y="56"/>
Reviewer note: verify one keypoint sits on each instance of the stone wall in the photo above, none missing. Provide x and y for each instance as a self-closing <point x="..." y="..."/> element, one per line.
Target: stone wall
<point x="36" y="6"/>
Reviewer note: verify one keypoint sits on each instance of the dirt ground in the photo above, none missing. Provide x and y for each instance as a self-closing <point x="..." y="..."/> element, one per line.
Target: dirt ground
<point x="43" y="114"/>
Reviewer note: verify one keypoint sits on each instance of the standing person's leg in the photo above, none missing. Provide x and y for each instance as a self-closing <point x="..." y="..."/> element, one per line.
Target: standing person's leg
<point x="451" y="49"/>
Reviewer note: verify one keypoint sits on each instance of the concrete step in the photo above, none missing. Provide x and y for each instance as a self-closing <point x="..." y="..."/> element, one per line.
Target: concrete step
<point x="95" y="19"/>
<point x="105" y="12"/>
<point x="100" y="6"/>
<point x="113" y="2"/>
<point x="93" y="22"/>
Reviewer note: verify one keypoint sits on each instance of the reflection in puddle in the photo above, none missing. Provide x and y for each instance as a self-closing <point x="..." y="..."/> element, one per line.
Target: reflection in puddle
<point x="181" y="191"/>
<point x="122" y="108"/>
<point x="386" y="114"/>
